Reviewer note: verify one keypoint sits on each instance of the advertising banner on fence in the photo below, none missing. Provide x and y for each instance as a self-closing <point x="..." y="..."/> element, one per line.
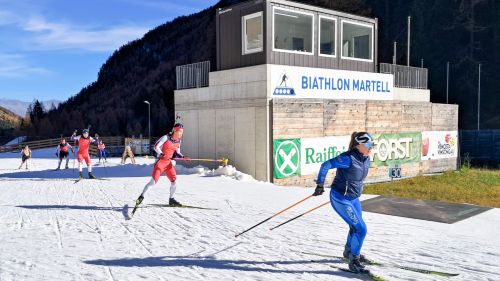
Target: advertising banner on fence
<point x="391" y="149"/>
<point x="299" y="157"/>
<point x="306" y="82"/>
<point x="439" y="144"/>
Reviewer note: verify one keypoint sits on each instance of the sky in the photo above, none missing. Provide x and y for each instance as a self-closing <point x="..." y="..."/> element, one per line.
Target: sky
<point x="50" y="49"/>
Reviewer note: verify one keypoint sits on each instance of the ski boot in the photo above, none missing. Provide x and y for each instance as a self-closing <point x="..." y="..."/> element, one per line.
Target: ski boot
<point x="356" y="266"/>
<point x="173" y="202"/>
<point x="58" y="169"/>
<point x="66" y="167"/>
<point x="362" y="258"/>
<point x="81" y="175"/>
<point x="91" y="176"/>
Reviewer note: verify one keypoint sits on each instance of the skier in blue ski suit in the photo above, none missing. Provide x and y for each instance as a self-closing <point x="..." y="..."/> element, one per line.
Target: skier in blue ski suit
<point x="352" y="167"/>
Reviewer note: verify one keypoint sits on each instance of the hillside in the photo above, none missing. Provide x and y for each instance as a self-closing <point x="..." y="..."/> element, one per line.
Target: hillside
<point x="20" y="107"/>
<point x="8" y="119"/>
<point x="145" y="69"/>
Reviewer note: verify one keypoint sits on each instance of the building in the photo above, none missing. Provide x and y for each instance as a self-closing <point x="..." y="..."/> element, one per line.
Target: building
<point x="293" y="81"/>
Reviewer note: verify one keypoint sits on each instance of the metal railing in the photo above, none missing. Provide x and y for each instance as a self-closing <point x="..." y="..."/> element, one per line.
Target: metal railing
<point x="406" y="76"/>
<point x="193" y="75"/>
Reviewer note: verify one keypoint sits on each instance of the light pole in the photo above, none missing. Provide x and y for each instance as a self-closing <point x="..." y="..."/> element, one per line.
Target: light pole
<point x="149" y="126"/>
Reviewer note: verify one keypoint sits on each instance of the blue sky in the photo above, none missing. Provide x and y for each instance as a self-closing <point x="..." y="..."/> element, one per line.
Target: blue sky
<point x="51" y="49"/>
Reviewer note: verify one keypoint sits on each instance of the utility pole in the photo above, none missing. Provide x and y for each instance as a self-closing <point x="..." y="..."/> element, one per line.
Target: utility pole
<point x="394" y="53"/>
<point x="447" y="80"/>
<point x="479" y="97"/>
<point x="409" y="31"/>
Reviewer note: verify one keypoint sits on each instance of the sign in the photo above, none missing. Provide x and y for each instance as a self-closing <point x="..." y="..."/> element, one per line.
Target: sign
<point x="306" y="82"/>
<point x="439" y="144"/>
<point x="286" y="158"/>
<point x="395" y="172"/>
<point x="315" y="151"/>
<point x="390" y="149"/>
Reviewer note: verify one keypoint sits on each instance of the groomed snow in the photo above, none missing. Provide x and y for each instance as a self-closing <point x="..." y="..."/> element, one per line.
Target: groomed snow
<point x="53" y="229"/>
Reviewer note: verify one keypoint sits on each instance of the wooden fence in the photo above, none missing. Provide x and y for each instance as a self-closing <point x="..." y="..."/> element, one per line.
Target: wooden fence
<point x="114" y="144"/>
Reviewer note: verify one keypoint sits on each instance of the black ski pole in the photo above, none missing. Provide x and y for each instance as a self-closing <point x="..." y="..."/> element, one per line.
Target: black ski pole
<point x="300" y="215"/>
<point x="282" y="211"/>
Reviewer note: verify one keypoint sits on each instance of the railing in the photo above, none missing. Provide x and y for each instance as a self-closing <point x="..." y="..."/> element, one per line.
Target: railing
<point x="193" y="75"/>
<point x="480" y="147"/>
<point x="406" y="76"/>
<point x="47" y="143"/>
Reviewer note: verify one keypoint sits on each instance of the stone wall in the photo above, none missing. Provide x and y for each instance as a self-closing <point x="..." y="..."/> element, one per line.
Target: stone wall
<point x="310" y="118"/>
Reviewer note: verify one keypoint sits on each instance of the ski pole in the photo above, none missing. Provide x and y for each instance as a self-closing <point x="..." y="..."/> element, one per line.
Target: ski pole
<point x="300" y="215"/>
<point x="223" y="160"/>
<point x="282" y="211"/>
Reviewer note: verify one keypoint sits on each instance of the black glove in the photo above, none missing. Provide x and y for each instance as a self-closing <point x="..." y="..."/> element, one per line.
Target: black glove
<point x="161" y="156"/>
<point x="319" y="190"/>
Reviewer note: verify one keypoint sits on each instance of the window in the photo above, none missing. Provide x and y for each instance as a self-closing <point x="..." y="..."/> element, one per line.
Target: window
<point x="357" y="41"/>
<point x="292" y="31"/>
<point x="327" y="36"/>
<point x="252" y="33"/>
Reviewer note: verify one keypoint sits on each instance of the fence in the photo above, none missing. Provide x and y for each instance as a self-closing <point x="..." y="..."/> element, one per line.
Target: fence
<point x="480" y="147"/>
<point x="406" y="76"/>
<point x="47" y="143"/>
<point x="193" y="75"/>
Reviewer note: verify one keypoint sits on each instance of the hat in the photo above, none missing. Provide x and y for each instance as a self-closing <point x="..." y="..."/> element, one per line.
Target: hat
<point x="178" y="127"/>
<point x="364" y="138"/>
<point x="85" y="131"/>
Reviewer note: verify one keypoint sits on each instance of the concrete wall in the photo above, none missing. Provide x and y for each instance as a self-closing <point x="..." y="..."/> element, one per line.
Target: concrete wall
<point x="228" y="119"/>
<point x="412" y="94"/>
<point x="306" y="118"/>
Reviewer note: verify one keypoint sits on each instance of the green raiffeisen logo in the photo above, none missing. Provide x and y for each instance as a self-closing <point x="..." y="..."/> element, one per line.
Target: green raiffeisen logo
<point x="286" y="158"/>
<point x="314" y="156"/>
<point x="396" y="149"/>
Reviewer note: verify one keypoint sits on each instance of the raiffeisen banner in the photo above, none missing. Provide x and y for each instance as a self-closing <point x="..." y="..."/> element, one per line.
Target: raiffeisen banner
<point x="315" y="151"/>
<point x="439" y="144"/>
<point x="305" y="82"/>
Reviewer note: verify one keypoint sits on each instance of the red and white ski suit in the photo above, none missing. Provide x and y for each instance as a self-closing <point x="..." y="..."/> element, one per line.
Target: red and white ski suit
<point x="167" y="148"/>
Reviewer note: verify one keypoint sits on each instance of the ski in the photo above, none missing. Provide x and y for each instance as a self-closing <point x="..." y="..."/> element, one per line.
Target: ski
<point x="101" y="179"/>
<point x="408" y="268"/>
<point x="367" y="276"/>
<point x="181" y="206"/>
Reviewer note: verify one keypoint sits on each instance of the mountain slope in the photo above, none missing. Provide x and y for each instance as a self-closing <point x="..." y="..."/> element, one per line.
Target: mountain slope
<point x="145" y="69"/>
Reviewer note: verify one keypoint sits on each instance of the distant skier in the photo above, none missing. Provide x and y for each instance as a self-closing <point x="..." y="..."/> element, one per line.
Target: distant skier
<point x="167" y="147"/>
<point x="352" y="167"/>
<point x="84" y="141"/>
<point x="25" y="155"/>
<point x="127" y="152"/>
<point x="63" y="152"/>
<point x="102" y="152"/>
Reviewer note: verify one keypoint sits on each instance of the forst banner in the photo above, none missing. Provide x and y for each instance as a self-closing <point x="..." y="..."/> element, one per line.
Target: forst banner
<point x="392" y="149"/>
<point x="439" y="144"/>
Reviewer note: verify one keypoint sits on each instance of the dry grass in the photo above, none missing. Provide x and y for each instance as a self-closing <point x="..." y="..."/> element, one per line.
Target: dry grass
<point x="468" y="185"/>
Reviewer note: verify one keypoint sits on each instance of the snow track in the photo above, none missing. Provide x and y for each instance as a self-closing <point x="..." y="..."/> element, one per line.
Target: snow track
<point x="52" y="229"/>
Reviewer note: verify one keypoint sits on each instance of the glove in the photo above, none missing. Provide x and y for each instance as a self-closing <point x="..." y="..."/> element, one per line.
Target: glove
<point x="161" y="156"/>
<point x="319" y="190"/>
<point x="57" y="154"/>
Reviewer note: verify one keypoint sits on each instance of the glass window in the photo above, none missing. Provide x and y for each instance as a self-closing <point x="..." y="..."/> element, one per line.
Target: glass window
<point x="252" y="33"/>
<point x="293" y="31"/>
<point x="357" y="41"/>
<point x="327" y="36"/>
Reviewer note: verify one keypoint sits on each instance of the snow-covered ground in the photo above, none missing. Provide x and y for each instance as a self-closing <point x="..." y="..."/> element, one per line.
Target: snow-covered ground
<point x="53" y="229"/>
